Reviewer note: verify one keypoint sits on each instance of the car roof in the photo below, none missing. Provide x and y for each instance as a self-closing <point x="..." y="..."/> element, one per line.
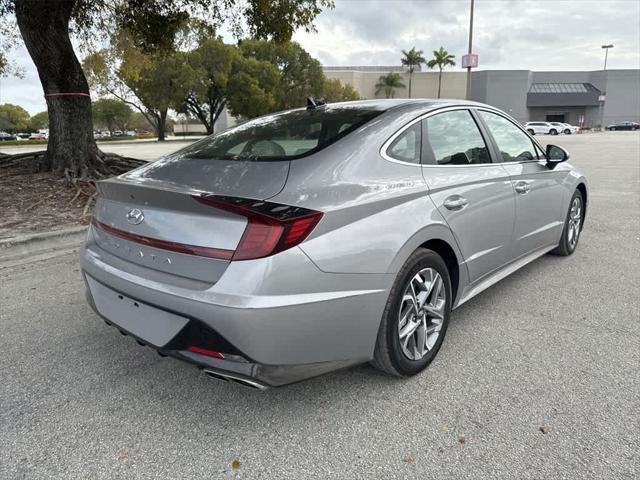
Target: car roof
<point x="418" y="103"/>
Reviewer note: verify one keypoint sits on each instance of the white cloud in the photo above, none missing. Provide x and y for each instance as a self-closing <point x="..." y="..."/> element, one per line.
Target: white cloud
<point x="26" y="92"/>
<point x="508" y="34"/>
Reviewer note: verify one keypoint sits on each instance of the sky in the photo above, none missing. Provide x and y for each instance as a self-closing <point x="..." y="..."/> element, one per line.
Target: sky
<point x="508" y="34"/>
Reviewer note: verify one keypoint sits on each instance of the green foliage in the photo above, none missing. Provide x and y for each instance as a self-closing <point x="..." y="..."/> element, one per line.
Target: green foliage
<point x="412" y="59"/>
<point x="389" y="83"/>
<point x="213" y="62"/>
<point x="279" y="19"/>
<point x="155" y="24"/>
<point x="223" y="77"/>
<point x="441" y="58"/>
<point x="251" y="79"/>
<point x="252" y="89"/>
<point x="300" y="74"/>
<point x="149" y="82"/>
<point x="39" y="121"/>
<point x="13" y="118"/>
<point x="335" y="91"/>
<point x="111" y="113"/>
<point x="159" y="81"/>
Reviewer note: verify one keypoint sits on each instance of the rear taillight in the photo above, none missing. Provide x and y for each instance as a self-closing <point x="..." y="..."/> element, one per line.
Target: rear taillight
<point x="271" y="227"/>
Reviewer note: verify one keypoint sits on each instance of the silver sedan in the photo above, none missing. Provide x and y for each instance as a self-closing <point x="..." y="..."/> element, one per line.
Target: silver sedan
<point x="319" y="238"/>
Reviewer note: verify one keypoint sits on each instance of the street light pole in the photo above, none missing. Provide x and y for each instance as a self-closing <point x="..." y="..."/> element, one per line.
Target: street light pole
<point x="470" y="51"/>
<point x="604" y="93"/>
<point x="606" y="54"/>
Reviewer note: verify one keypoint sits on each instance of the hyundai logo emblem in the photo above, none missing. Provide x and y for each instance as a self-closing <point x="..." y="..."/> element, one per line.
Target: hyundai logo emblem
<point x="135" y="216"/>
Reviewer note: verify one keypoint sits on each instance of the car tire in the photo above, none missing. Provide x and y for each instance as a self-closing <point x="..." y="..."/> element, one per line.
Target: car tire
<point x="553" y="131"/>
<point x="391" y="354"/>
<point x="571" y="232"/>
<point x="531" y="132"/>
<point x="612" y="129"/>
<point x="567" y="132"/>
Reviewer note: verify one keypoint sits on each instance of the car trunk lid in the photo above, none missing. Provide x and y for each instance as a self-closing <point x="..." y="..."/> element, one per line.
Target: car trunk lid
<point x="151" y="216"/>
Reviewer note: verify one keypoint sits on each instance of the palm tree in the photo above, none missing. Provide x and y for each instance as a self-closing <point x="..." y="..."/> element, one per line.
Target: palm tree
<point x="388" y="83"/>
<point x="441" y="58"/>
<point x="412" y="59"/>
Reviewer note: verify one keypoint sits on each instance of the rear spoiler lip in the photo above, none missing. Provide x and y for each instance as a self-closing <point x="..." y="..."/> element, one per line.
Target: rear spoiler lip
<point x="112" y="185"/>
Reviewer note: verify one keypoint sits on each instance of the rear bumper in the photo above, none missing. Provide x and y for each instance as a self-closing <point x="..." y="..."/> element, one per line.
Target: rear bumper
<point x="235" y="367"/>
<point x="283" y="317"/>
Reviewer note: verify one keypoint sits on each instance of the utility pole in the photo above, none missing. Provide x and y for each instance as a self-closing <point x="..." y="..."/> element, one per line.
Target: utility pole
<point x="604" y="93"/>
<point x="470" y="52"/>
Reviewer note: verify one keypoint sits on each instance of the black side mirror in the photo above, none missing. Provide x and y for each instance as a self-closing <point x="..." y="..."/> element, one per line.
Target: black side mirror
<point x="556" y="155"/>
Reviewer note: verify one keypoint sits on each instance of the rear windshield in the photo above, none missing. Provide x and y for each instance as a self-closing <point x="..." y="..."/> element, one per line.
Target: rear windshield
<point x="283" y="136"/>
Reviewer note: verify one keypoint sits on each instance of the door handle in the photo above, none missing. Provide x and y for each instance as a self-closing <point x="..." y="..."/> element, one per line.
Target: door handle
<point x="522" y="187"/>
<point x="455" y="202"/>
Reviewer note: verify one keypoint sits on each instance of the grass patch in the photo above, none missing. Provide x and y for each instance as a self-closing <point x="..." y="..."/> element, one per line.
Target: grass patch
<point x="23" y="142"/>
<point x="98" y="140"/>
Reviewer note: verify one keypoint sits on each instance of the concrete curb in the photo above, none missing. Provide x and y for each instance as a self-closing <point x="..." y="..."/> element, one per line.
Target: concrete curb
<point x="23" y="245"/>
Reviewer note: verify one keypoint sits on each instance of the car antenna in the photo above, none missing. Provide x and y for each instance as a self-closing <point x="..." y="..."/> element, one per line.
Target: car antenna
<point x="313" y="103"/>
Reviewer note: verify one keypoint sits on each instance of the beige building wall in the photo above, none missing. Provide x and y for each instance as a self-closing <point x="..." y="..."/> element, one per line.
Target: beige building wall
<point x="424" y="84"/>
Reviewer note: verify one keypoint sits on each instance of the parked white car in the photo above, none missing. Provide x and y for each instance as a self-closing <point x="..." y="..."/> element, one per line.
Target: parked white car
<point x="565" y="128"/>
<point x="541" y="128"/>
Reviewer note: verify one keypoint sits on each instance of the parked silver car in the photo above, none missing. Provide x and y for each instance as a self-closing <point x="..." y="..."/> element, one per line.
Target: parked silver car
<point x="318" y="238"/>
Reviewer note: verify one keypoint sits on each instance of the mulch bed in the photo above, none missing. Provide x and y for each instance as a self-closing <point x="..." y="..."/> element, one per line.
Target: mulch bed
<point x="32" y="201"/>
<point x="39" y="202"/>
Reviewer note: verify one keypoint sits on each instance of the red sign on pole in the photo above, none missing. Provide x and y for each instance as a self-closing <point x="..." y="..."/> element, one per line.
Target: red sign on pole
<point x="470" y="60"/>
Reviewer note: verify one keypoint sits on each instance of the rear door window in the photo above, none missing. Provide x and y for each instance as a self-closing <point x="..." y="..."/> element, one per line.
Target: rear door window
<point x="453" y="138"/>
<point x="283" y="136"/>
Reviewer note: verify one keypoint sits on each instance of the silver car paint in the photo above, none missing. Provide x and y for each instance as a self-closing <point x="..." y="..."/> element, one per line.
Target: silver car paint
<point x="321" y="303"/>
<point x="539" y="214"/>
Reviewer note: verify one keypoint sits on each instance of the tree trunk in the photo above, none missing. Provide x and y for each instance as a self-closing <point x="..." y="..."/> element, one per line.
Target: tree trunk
<point x="193" y="107"/>
<point x="162" y="124"/>
<point x="45" y="31"/>
<point x="439" y="82"/>
<point x="410" y="75"/>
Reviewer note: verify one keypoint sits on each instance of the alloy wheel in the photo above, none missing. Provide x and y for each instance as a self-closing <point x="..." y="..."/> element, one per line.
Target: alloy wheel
<point x="421" y="314"/>
<point x="575" y="221"/>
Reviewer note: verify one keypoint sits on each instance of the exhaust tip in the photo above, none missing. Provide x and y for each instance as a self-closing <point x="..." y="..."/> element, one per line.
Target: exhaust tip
<point x="245" y="382"/>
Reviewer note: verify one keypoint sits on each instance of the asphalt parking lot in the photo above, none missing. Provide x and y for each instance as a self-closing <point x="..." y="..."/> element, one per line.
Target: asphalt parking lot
<point x="554" y="348"/>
